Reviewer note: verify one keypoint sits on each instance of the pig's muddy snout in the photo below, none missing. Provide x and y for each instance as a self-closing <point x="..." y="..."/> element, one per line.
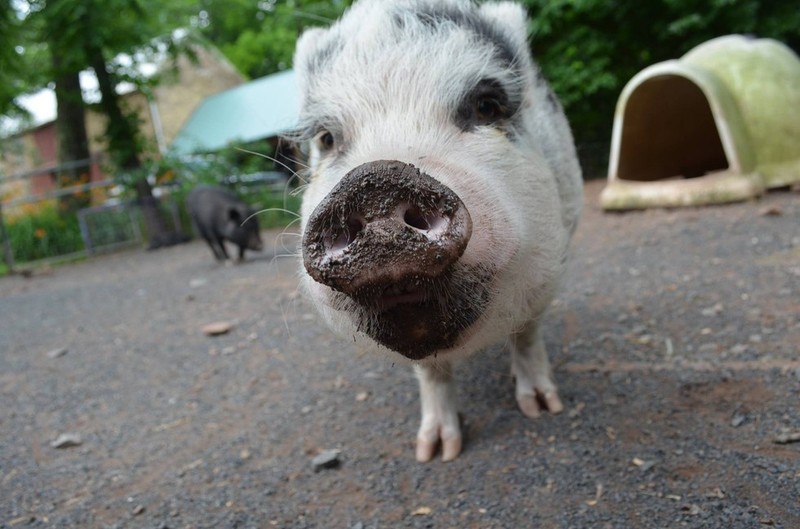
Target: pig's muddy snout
<point x="385" y="227"/>
<point x="387" y="236"/>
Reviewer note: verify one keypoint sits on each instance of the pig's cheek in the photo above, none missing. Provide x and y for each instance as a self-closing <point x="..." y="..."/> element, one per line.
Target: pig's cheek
<point x="492" y="241"/>
<point x="320" y="297"/>
<point x="318" y="293"/>
<point x="311" y="198"/>
<point x="321" y="179"/>
<point x="495" y="237"/>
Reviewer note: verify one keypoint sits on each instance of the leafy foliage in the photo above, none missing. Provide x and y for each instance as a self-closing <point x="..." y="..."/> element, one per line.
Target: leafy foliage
<point x="43" y="234"/>
<point x="234" y="168"/>
<point x="9" y="58"/>
<point x="589" y="49"/>
<point x="263" y="42"/>
<point x="23" y="60"/>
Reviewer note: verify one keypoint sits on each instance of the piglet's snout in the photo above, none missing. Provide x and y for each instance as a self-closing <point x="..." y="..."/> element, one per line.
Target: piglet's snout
<point x="383" y="232"/>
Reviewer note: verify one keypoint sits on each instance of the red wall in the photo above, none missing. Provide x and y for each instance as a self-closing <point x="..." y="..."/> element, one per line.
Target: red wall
<point x="46" y="142"/>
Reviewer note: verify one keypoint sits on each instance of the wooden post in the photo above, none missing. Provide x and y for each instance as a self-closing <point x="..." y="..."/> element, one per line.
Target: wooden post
<point x="8" y="256"/>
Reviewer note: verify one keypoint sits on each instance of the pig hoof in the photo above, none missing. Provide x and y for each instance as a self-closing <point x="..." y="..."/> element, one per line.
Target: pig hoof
<point x="553" y="402"/>
<point x="435" y="431"/>
<point x="531" y="405"/>
<point x="426" y="448"/>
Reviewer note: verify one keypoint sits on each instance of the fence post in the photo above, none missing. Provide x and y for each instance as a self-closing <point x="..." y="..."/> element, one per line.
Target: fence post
<point x="8" y="257"/>
<point x="85" y="235"/>
<point x="132" y="215"/>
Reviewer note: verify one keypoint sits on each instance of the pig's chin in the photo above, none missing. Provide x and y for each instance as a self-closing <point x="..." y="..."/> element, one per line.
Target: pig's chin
<point x="419" y="318"/>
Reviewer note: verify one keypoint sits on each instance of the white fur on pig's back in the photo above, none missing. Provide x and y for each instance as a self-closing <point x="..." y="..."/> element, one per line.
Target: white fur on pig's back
<point x="557" y="146"/>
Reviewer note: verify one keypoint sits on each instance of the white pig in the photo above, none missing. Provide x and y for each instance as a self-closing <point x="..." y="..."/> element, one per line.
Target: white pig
<point x="443" y="191"/>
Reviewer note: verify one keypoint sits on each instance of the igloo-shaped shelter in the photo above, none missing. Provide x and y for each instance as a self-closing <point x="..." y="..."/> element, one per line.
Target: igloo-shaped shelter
<point x="721" y="124"/>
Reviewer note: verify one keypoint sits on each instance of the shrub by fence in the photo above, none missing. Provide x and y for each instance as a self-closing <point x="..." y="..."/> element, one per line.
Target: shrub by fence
<point x="34" y="227"/>
<point x="43" y="234"/>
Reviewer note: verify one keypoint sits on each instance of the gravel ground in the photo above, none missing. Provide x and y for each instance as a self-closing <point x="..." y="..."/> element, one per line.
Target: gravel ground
<point x="675" y="341"/>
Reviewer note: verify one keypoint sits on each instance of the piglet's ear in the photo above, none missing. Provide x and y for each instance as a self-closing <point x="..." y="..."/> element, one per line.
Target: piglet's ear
<point x="235" y="215"/>
<point x="306" y="45"/>
<point x="305" y="49"/>
<point x="508" y="17"/>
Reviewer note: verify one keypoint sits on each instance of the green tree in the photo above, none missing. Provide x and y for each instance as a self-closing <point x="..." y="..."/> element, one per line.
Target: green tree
<point x="22" y="61"/>
<point x="259" y="39"/>
<point x="589" y="49"/>
<point x="82" y="34"/>
<point x="65" y="67"/>
<point x="10" y="59"/>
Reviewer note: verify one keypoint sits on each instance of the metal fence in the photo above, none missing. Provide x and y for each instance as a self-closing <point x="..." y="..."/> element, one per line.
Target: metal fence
<point x="108" y="224"/>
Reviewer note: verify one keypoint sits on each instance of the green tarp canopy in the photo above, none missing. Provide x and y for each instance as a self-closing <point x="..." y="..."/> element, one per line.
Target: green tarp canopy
<point x="261" y="109"/>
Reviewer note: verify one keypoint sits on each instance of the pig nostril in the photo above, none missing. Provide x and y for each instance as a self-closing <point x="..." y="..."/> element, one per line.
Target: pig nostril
<point x="415" y="218"/>
<point x="340" y="239"/>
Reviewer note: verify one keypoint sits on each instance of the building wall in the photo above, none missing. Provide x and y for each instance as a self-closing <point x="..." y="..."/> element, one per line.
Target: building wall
<point x="47" y="147"/>
<point x="174" y="99"/>
<point x="96" y="121"/>
<point x="178" y="97"/>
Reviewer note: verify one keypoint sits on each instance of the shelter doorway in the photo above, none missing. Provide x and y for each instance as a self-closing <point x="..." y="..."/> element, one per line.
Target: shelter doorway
<point x="669" y="132"/>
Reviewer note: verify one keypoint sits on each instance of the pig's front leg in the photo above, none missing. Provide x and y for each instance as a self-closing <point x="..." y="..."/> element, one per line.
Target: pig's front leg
<point x="439" y="412"/>
<point x="531" y="368"/>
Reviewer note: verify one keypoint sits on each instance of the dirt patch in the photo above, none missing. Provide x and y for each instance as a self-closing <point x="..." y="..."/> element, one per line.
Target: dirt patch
<point x="674" y="340"/>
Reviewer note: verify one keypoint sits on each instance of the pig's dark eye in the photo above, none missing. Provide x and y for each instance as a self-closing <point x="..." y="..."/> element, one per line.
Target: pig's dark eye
<point x="488" y="109"/>
<point x="325" y="140"/>
<point x="487" y="103"/>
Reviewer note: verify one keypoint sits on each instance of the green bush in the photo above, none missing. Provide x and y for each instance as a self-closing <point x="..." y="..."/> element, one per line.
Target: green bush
<point x="43" y="234"/>
<point x="589" y="49"/>
<point x="276" y="208"/>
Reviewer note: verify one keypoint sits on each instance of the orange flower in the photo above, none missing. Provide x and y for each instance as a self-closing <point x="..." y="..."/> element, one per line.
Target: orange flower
<point x="166" y="176"/>
<point x="39" y="233"/>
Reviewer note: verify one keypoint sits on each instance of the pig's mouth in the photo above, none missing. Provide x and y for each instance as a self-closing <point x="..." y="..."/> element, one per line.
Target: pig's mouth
<point x="419" y="318"/>
<point x="410" y="293"/>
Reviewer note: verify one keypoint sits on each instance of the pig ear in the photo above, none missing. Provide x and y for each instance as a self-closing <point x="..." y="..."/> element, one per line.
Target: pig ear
<point x="508" y="17"/>
<point x="306" y="45"/>
<point x="304" y="51"/>
<point x="235" y="215"/>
